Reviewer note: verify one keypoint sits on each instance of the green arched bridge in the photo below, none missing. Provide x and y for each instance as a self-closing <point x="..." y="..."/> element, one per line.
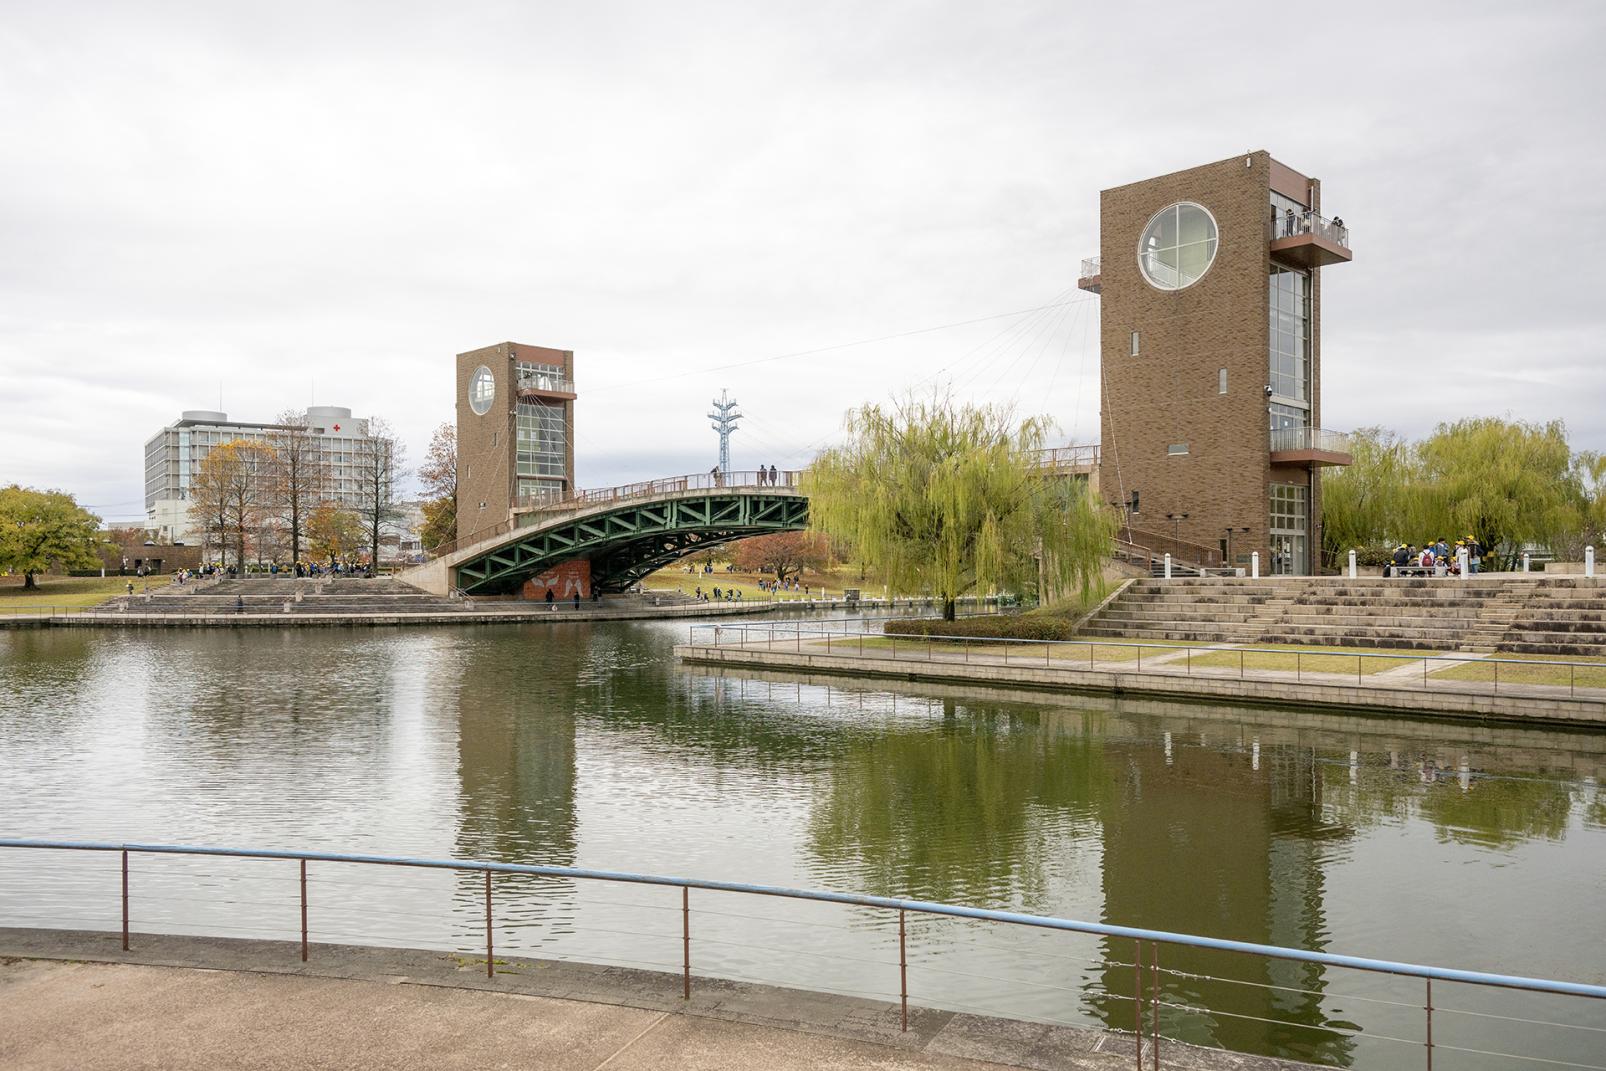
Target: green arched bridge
<point x="623" y="532"/>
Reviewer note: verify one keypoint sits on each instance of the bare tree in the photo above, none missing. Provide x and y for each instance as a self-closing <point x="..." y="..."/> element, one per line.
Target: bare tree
<point x="379" y="468"/>
<point x="300" y="476"/>
<point x="208" y="495"/>
<point x="235" y="485"/>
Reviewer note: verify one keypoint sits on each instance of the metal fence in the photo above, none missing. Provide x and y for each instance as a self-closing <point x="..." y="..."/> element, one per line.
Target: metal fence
<point x="1173" y="658"/>
<point x="1162" y="997"/>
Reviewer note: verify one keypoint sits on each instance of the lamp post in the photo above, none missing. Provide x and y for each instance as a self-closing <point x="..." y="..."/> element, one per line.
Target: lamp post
<point x="1176" y="520"/>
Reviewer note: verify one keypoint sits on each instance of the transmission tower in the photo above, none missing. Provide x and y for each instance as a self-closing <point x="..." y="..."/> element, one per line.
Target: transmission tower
<point x="724" y="420"/>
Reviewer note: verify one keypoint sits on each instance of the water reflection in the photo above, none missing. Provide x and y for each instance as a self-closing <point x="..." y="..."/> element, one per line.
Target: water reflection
<point x="587" y="745"/>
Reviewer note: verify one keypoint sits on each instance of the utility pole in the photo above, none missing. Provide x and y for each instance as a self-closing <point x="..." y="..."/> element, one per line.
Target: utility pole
<point x="724" y="420"/>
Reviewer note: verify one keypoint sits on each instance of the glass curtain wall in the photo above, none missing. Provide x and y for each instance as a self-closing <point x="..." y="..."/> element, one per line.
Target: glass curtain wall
<point x="1289" y="335"/>
<point x="542" y="449"/>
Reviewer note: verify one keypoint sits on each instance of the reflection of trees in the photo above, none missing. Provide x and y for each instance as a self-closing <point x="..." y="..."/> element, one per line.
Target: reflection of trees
<point x="1204" y="844"/>
<point x="954" y="811"/>
<point x="1498" y="812"/>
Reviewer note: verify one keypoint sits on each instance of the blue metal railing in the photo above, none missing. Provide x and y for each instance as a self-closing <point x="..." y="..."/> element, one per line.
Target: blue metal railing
<point x="1139" y="935"/>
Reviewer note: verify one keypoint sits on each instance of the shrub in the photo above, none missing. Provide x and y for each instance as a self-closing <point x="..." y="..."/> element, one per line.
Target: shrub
<point x="988" y="626"/>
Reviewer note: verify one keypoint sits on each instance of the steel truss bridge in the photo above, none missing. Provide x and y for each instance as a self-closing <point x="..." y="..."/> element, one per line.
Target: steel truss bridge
<point x="624" y="532"/>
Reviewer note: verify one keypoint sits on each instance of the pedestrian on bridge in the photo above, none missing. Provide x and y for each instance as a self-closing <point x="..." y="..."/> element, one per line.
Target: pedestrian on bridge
<point x="772" y="476"/>
<point x="577" y="598"/>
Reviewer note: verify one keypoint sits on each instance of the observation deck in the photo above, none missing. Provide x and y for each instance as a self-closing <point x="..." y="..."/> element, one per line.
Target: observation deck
<point x="1088" y="278"/>
<point x="1306" y="446"/>
<point x="1307" y="240"/>
<point x="545" y="384"/>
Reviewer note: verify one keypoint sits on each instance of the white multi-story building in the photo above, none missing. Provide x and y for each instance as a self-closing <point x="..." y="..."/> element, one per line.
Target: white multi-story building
<point x="174" y="454"/>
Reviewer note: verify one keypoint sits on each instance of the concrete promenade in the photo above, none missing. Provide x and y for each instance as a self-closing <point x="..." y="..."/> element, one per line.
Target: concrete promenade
<point x="72" y="999"/>
<point x="1170" y="676"/>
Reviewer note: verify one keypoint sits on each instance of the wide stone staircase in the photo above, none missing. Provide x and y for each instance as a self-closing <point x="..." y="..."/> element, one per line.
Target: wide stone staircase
<point x="1530" y="615"/>
<point x="281" y="596"/>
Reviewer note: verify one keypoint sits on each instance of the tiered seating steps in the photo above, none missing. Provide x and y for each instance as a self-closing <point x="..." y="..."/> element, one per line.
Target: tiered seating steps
<point x="1527" y="615"/>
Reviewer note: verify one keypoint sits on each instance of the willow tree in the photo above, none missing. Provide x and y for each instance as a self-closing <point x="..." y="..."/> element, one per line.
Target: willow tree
<point x="1505" y="482"/>
<point x="945" y="499"/>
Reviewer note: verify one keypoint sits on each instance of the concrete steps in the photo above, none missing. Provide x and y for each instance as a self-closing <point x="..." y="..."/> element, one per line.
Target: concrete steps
<point x="1526" y="614"/>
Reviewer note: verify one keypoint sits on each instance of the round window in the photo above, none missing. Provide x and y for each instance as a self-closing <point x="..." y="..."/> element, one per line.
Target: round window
<point x="481" y="390"/>
<point x="1177" y="246"/>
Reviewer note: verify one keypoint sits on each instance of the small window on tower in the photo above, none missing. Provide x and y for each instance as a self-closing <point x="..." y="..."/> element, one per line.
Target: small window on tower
<point x="1177" y="450"/>
<point x="1134" y="343"/>
<point x="1221" y="381"/>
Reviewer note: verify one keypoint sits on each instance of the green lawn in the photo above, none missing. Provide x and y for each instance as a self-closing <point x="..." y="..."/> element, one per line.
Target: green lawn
<point x="1072" y="652"/>
<point x="672" y="578"/>
<point x="1543" y="669"/>
<point x="73" y="592"/>
<point x="1312" y="659"/>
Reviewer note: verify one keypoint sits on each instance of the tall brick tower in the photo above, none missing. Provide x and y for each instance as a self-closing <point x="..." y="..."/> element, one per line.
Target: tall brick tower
<point x="515" y="431"/>
<point x="1211" y="361"/>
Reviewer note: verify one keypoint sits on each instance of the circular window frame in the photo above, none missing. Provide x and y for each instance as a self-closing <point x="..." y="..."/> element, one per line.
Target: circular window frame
<point x="481" y="374"/>
<point x="1215" y="226"/>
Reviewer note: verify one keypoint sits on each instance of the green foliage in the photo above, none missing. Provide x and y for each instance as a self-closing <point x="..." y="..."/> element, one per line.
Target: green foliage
<point x="45" y="530"/>
<point x="989" y="626"/>
<point x="1369" y="503"/>
<point x="942" y="498"/>
<point x="440" y="522"/>
<point x="1504" y="482"/>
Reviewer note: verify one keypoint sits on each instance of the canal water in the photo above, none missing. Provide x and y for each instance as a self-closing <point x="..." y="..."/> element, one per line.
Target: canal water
<point x="587" y="745"/>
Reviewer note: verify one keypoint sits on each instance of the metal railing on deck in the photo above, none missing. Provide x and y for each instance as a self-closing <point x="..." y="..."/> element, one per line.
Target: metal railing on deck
<point x="748" y="479"/>
<point x="1335" y="442"/>
<point x="1177" y="993"/>
<point x="1115" y="655"/>
<point x="1289" y="223"/>
<point x="1068" y="457"/>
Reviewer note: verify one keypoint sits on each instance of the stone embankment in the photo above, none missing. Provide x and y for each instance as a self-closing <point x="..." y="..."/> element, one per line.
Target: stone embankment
<point x="286" y="601"/>
<point x="1169" y="676"/>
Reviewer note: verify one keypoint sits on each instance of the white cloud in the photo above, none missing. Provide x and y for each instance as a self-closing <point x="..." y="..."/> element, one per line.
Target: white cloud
<point x="348" y="194"/>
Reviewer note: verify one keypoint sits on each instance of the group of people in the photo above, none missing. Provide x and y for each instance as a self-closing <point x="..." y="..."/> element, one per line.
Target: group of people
<point x="719" y="594"/>
<point x="783" y="585"/>
<point x="1444" y="559"/>
<point x="767" y="477"/>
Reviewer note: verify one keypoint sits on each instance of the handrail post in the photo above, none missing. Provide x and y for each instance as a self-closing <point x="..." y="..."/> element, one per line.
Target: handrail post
<point x="1430" y="1023"/>
<point x="1137" y="1000"/>
<point x="303" y="911"/>
<point x="490" y="964"/>
<point x="685" y="937"/>
<point x="903" y="971"/>
<point x="1154" y="1004"/>
<point x="125" y="899"/>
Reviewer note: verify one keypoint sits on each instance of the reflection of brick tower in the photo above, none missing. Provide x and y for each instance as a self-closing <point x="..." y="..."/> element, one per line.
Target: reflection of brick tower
<point x="1211" y="357"/>
<point x="515" y="431"/>
<point x="1224" y="844"/>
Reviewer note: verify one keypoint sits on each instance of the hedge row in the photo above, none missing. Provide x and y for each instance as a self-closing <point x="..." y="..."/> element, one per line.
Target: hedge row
<point x="990" y="626"/>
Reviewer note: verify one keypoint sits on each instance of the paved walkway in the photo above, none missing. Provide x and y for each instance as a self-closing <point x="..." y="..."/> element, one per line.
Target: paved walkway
<point x="115" y="1016"/>
<point x="74" y="999"/>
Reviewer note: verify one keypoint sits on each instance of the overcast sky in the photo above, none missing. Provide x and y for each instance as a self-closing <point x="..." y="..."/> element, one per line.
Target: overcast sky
<point x="278" y="203"/>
